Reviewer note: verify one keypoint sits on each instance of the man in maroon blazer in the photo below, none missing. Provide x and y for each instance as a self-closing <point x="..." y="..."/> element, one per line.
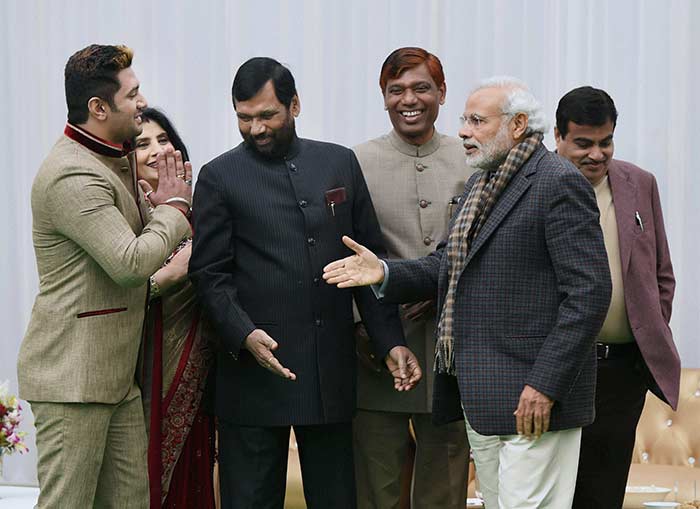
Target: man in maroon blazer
<point x="635" y="346"/>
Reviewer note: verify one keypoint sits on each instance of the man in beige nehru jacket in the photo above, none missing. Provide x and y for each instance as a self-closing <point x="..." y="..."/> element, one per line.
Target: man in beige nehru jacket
<point x="635" y="346"/>
<point x="95" y="250"/>
<point x="415" y="176"/>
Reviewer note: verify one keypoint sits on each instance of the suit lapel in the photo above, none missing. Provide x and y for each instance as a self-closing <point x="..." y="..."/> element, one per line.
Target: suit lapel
<point x="624" y="193"/>
<point x="513" y="192"/>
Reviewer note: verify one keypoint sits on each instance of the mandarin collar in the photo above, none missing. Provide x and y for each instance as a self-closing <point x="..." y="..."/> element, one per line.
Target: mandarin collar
<point x="294" y="148"/>
<point x="415" y="150"/>
<point x="95" y="143"/>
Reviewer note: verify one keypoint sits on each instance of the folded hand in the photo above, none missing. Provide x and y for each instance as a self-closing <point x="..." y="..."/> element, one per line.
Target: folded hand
<point x="404" y="367"/>
<point x="533" y="412"/>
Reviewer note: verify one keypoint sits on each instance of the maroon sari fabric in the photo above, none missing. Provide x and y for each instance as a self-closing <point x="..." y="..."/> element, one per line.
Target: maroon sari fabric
<point x="191" y="484"/>
<point x="181" y="434"/>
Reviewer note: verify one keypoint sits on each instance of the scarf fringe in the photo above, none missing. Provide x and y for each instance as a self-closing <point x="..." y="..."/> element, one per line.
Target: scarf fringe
<point x="445" y="358"/>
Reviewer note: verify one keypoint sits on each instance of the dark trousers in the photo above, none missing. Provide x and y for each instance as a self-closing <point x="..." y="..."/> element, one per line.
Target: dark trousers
<point x="253" y="465"/>
<point x="607" y="444"/>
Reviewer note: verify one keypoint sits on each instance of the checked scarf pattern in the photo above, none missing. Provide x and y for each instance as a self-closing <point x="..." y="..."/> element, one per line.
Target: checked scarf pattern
<point x="482" y="197"/>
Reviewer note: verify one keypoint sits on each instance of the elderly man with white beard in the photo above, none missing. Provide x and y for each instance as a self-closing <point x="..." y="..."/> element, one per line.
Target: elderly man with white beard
<point x="523" y="287"/>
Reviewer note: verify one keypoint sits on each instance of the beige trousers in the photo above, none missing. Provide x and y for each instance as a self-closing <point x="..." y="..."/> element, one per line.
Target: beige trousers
<point x="441" y="466"/>
<point x="92" y="454"/>
<point x="517" y="473"/>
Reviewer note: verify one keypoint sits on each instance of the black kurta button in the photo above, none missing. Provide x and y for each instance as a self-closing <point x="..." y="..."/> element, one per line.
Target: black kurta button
<point x="318" y="322"/>
<point x="292" y="167"/>
<point x="423" y="203"/>
<point x="311" y="241"/>
<point x="303" y="203"/>
<point x="316" y="281"/>
<point x="427" y="241"/>
<point x="419" y="167"/>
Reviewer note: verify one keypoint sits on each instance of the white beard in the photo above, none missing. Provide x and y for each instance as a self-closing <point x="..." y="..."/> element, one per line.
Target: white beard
<point x="492" y="153"/>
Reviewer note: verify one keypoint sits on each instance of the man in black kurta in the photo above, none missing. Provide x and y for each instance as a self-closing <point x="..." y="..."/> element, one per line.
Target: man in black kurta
<point x="269" y="216"/>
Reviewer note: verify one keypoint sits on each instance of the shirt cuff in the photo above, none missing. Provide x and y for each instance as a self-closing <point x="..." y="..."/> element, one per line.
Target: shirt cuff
<point x="380" y="290"/>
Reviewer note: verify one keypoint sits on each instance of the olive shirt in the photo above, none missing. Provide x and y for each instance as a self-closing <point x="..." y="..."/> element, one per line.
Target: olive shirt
<point x="414" y="190"/>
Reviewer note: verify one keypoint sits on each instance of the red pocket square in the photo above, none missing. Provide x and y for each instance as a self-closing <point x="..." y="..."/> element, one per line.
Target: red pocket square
<point x="336" y="196"/>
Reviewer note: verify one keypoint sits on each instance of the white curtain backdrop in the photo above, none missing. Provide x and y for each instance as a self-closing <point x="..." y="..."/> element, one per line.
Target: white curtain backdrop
<point x="644" y="53"/>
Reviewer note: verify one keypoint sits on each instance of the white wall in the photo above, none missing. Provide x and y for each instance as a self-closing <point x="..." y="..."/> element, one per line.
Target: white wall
<point x="642" y="52"/>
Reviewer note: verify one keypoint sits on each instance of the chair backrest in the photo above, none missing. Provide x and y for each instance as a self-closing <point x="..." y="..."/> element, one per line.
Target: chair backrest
<point x="665" y="437"/>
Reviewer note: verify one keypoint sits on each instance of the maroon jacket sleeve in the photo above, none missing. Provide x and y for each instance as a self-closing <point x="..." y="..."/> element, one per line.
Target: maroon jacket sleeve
<point x="664" y="269"/>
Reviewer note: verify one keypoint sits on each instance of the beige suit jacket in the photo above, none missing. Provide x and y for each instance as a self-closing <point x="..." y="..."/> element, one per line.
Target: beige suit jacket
<point x="94" y="258"/>
<point x="412" y="188"/>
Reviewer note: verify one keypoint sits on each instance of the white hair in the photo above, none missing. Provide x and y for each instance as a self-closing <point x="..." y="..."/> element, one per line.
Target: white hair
<point x="519" y="99"/>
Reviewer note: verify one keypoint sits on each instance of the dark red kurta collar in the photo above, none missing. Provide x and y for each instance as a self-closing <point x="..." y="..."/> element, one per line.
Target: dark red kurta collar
<point x="92" y="142"/>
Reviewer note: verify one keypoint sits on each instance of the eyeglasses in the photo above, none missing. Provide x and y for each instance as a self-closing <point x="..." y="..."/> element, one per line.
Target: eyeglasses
<point x="477" y="121"/>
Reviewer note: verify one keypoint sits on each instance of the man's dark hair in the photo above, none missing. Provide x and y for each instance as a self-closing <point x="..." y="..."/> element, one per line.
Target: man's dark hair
<point x="403" y="59"/>
<point x="92" y="72"/>
<point x="585" y="106"/>
<point x="252" y="76"/>
<point x="157" y="116"/>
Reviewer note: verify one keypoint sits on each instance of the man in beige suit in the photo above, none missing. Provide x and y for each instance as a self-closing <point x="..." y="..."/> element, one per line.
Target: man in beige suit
<point x="95" y="254"/>
<point x="415" y="176"/>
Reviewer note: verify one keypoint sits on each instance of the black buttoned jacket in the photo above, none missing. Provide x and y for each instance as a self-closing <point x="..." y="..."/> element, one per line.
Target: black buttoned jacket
<point x="264" y="230"/>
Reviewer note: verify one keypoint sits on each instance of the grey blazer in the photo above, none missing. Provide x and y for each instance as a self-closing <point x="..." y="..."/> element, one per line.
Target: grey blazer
<point x="529" y="304"/>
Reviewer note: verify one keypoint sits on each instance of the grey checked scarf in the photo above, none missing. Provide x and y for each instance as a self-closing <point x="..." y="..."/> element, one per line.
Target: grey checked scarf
<point x="480" y="201"/>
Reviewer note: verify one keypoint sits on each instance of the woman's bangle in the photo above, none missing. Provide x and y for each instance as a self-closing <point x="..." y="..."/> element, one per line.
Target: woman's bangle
<point x="155" y="287"/>
<point x="182" y="201"/>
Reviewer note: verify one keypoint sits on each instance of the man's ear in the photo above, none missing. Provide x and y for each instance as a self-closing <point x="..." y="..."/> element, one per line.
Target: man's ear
<point x="97" y="108"/>
<point x="295" y="106"/>
<point x="557" y="135"/>
<point x="443" y="93"/>
<point x="519" y="122"/>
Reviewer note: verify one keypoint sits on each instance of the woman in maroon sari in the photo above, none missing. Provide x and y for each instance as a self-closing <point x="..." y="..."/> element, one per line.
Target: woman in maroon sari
<point x="176" y="360"/>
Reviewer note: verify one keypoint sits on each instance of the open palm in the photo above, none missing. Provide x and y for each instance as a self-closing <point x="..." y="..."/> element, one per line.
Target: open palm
<point x="361" y="269"/>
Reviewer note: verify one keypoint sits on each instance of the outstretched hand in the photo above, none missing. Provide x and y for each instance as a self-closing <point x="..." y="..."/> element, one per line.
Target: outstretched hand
<point x="261" y="345"/>
<point x="404" y="367"/>
<point x="361" y="269"/>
